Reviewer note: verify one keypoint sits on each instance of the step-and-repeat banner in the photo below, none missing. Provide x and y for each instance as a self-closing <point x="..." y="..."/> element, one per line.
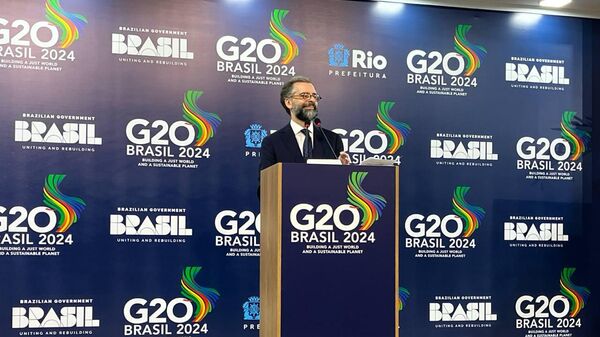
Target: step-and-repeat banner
<point x="130" y="136"/>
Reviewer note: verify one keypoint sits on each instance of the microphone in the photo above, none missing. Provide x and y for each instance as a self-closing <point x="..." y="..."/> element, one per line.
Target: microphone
<point x="317" y="123"/>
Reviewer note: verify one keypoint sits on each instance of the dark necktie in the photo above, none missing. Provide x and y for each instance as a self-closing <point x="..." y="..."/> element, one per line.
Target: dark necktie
<point x="307" y="146"/>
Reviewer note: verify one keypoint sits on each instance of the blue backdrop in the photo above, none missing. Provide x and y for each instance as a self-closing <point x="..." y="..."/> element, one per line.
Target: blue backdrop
<point x="130" y="140"/>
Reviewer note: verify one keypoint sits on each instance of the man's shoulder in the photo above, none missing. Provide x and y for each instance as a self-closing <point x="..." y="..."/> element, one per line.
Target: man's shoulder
<point x="335" y="140"/>
<point x="280" y="132"/>
<point x="329" y="133"/>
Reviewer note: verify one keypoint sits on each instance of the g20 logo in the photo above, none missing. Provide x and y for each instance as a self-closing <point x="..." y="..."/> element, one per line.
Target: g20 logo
<point x="157" y="310"/>
<point x="306" y="217"/>
<point x="382" y="143"/>
<point x="155" y="138"/>
<point x="432" y="226"/>
<point x="61" y="30"/>
<point x="245" y="55"/>
<point x="421" y="62"/>
<point x="18" y="221"/>
<point x="530" y="148"/>
<point x="142" y="132"/>
<point x="229" y="222"/>
<point x="357" y="141"/>
<point x="538" y="154"/>
<point x="430" y="67"/>
<point x="42" y="34"/>
<point x="542" y="306"/>
<point x="238" y="230"/>
<point x="319" y="224"/>
<point x="313" y="222"/>
<point x="541" y="311"/>
<point x="230" y="48"/>
<point x="60" y="213"/>
<point x="431" y="231"/>
<point x="536" y="312"/>
<point x="157" y="313"/>
<point x="541" y="153"/>
<point x="153" y="317"/>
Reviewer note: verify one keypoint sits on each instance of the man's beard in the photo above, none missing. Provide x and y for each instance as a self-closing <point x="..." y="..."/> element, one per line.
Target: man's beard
<point x="306" y="115"/>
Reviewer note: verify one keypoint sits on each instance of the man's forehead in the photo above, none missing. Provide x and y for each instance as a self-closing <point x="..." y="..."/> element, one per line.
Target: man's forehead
<point x="304" y="87"/>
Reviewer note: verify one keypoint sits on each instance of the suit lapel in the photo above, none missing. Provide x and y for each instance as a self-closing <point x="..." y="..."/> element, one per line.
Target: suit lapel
<point x="291" y="144"/>
<point x="318" y="147"/>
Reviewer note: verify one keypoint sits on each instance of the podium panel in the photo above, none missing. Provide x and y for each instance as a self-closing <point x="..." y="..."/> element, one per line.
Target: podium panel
<point x="329" y="251"/>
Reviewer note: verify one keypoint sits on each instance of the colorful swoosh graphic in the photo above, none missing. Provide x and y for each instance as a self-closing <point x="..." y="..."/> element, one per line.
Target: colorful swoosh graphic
<point x="371" y="205"/>
<point x="289" y="39"/>
<point x="204" y="298"/>
<point x="69" y="23"/>
<point x="68" y="208"/>
<point x="472" y="53"/>
<point x="577" y="295"/>
<point x="472" y="215"/>
<point x="579" y="139"/>
<point x="395" y="131"/>
<point x="403" y="295"/>
<point x="205" y="123"/>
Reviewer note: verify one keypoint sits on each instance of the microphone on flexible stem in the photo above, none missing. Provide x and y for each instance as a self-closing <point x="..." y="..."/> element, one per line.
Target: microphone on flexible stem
<point x="317" y="123"/>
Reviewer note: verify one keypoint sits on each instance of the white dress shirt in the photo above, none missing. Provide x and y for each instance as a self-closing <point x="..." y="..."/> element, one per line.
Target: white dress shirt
<point x="300" y="136"/>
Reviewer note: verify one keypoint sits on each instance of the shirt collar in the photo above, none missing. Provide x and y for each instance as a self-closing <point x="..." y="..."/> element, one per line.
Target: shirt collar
<point x="297" y="128"/>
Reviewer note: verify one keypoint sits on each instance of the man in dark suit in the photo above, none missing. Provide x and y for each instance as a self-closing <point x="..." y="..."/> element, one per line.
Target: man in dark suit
<point x="300" y="139"/>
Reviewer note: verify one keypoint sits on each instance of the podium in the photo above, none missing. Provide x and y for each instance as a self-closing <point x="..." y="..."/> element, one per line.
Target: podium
<point x="329" y="251"/>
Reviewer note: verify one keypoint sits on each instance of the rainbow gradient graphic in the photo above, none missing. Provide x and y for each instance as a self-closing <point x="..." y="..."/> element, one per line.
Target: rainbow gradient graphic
<point x="403" y="295"/>
<point x="68" y="208"/>
<point x="205" y="123"/>
<point x="289" y="39"/>
<point x="577" y="295"/>
<point x="395" y="131"/>
<point x="472" y="215"/>
<point x="204" y="298"/>
<point x="472" y="53"/>
<point x="579" y="139"/>
<point x="371" y="205"/>
<point x="69" y="23"/>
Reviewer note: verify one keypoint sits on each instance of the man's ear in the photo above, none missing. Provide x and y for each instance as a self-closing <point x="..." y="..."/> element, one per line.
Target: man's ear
<point x="288" y="103"/>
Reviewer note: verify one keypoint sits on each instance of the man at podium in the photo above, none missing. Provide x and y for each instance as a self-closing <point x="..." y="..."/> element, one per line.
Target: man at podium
<point x="302" y="138"/>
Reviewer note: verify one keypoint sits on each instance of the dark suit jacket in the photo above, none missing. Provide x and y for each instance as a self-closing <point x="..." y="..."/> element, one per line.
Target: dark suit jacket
<point x="282" y="147"/>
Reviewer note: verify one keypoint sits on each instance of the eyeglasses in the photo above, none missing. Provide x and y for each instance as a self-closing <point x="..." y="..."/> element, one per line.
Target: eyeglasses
<point x="306" y="96"/>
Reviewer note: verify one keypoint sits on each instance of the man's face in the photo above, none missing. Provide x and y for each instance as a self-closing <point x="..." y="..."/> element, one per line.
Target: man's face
<point x="301" y="110"/>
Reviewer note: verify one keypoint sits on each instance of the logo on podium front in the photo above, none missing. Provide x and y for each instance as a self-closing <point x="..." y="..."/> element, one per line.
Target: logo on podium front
<point x="338" y="229"/>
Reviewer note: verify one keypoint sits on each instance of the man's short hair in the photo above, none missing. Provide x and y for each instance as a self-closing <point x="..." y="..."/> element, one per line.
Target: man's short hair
<point x="286" y="90"/>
